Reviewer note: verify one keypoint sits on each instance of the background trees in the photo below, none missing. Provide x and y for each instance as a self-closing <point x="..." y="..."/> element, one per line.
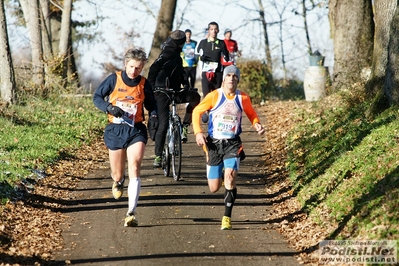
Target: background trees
<point x="51" y="59"/>
<point x="7" y="90"/>
<point x="276" y="33"/>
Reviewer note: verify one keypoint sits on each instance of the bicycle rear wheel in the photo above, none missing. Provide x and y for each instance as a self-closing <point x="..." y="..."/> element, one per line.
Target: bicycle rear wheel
<point x="176" y="154"/>
<point x="166" y="158"/>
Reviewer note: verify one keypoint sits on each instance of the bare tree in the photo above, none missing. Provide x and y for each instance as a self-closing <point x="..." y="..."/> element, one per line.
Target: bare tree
<point x="45" y="23"/>
<point x="64" y="47"/>
<point x="386" y="50"/>
<point x="391" y="83"/>
<point x="280" y="12"/>
<point x="163" y="29"/>
<point x="262" y="19"/>
<point x="268" y="53"/>
<point x="31" y="13"/>
<point x="7" y="78"/>
<point x="352" y="30"/>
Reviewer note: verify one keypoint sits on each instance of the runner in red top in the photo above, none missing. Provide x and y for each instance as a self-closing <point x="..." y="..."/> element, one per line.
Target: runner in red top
<point x="232" y="47"/>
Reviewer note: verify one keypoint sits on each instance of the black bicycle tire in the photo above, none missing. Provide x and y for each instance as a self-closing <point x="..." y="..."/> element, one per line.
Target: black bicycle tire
<point x="177" y="154"/>
<point x="166" y="158"/>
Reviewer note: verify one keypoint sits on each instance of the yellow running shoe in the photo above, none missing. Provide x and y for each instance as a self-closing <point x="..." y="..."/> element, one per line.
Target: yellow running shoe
<point x="226" y="223"/>
<point x="117" y="189"/>
<point x="130" y="221"/>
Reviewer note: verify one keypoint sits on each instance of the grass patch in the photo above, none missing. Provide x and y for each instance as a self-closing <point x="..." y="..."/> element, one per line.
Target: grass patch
<point x="345" y="169"/>
<point x="38" y="133"/>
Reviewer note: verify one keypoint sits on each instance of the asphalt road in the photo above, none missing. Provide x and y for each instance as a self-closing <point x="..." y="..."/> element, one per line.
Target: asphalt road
<point x="179" y="222"/>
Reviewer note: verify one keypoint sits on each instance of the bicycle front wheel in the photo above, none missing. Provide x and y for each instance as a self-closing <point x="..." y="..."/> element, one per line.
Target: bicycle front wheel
<point x="166" y="158"/>
<point x="176" y="154"/>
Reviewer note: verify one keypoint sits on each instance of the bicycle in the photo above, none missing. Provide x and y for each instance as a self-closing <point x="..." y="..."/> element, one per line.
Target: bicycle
<point x="172" y="152"/>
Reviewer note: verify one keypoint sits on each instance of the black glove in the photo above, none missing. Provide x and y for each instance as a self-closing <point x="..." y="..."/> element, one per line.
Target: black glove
<point x="115" y="110"/>
<point x="152" y="125"/>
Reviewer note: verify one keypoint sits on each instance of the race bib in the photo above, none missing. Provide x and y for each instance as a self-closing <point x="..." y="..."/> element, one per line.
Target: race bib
<point x="130" y="110"/>
<point x="209" y="66"/>
<point x="189" y="53"/>
<point x="225" y="126"/>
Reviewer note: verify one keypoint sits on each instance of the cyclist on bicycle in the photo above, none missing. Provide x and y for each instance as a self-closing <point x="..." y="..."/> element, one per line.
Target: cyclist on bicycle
<point x="167" y="72"/>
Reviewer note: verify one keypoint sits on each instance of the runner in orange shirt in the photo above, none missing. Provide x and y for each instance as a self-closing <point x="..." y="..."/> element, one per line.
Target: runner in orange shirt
<point x="223" y="146"/>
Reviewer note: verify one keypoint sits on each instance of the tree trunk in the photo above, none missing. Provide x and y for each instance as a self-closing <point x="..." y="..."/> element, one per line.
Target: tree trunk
<point x="391" y="84"/>
<point x="64" y="36"/>
<point x="65" y="28"/>
<point x="270" y="79"/>
<point x="30" y="9"/>
<point x="163" y="29"/>
<point x="305" y="24"/>
<point x="385" y="49"/>
<point x="352" y="29"/>
<point x="46" y="26"/>
<point x="265" y="36"/>
<point x="7" y="78"/>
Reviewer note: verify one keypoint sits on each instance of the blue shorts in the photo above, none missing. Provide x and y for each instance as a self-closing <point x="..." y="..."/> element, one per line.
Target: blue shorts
<point x="121" y="136"/>
<point x="222" y="153"/>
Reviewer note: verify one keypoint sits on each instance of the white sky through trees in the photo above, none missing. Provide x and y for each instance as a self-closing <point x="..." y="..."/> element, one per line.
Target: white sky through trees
<point x="132" y="23"/>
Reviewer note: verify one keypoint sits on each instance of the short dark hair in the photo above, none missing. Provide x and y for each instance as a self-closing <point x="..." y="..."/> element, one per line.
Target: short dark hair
<point x="187" y="30"/>
<point x="214" y="24"/>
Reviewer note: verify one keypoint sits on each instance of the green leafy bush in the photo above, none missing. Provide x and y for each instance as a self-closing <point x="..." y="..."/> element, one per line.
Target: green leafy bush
<point x="257" y="82"/>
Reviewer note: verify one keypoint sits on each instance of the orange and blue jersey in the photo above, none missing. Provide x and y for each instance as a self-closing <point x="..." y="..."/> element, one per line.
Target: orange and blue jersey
<point x="225" y="114"/>
<point x="119" y="89"/>
<point x="128" y="96"/>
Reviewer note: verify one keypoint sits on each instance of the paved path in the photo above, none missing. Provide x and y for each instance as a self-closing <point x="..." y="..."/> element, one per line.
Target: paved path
<point x="179" y="222"/>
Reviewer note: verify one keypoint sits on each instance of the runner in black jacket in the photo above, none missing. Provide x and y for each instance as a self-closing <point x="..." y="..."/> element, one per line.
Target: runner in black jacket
<point x="211" y="50"/>
<point x="167" y="71"/>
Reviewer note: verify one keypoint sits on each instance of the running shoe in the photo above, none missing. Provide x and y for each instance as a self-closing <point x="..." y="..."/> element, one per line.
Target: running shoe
<point x="130" y="221"/>
<point x="226" y="223"/>
<point x="205" y="117"/>
<point x="157" y="162"/>
<point x="117" y="189"/>
<point x="184" y="133"/>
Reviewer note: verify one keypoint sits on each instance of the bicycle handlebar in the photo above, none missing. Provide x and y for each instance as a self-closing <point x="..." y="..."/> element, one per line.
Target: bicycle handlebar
<point x="172" y="91"/>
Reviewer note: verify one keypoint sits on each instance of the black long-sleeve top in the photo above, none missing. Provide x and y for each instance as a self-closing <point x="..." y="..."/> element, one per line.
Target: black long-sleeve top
<point x="168" y="65"/>
<point x="213" y="51"/>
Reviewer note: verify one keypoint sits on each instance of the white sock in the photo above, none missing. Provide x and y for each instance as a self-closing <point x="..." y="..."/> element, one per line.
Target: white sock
<point x="133" y="191"/>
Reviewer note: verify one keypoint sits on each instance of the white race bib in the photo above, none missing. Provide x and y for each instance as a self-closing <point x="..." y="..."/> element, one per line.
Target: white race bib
<point x="130" y="110"/>
<point x="209" y="66"/>
<point x="225" y="126"/>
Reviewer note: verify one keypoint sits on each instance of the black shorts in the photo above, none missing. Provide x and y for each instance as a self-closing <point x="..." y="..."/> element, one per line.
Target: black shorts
<point x="121" y="136"/>
<point x="219" y="150"/>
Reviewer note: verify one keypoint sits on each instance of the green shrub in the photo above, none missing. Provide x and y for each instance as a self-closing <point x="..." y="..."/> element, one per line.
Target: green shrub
<point x="255" y="81"/>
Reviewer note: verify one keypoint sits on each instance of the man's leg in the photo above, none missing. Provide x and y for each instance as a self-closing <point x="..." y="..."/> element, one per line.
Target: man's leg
<point x="117" y="159"/>
<point x="193" y="74"/>
<point x="193" y="99"/>
<point x="230" y="176"/>
<point x="163" y="121"/>
<point x="135" y="154"/>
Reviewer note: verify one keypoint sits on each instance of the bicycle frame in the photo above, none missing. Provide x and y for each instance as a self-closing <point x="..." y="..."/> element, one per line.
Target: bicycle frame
<point x="172" y="153"/>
